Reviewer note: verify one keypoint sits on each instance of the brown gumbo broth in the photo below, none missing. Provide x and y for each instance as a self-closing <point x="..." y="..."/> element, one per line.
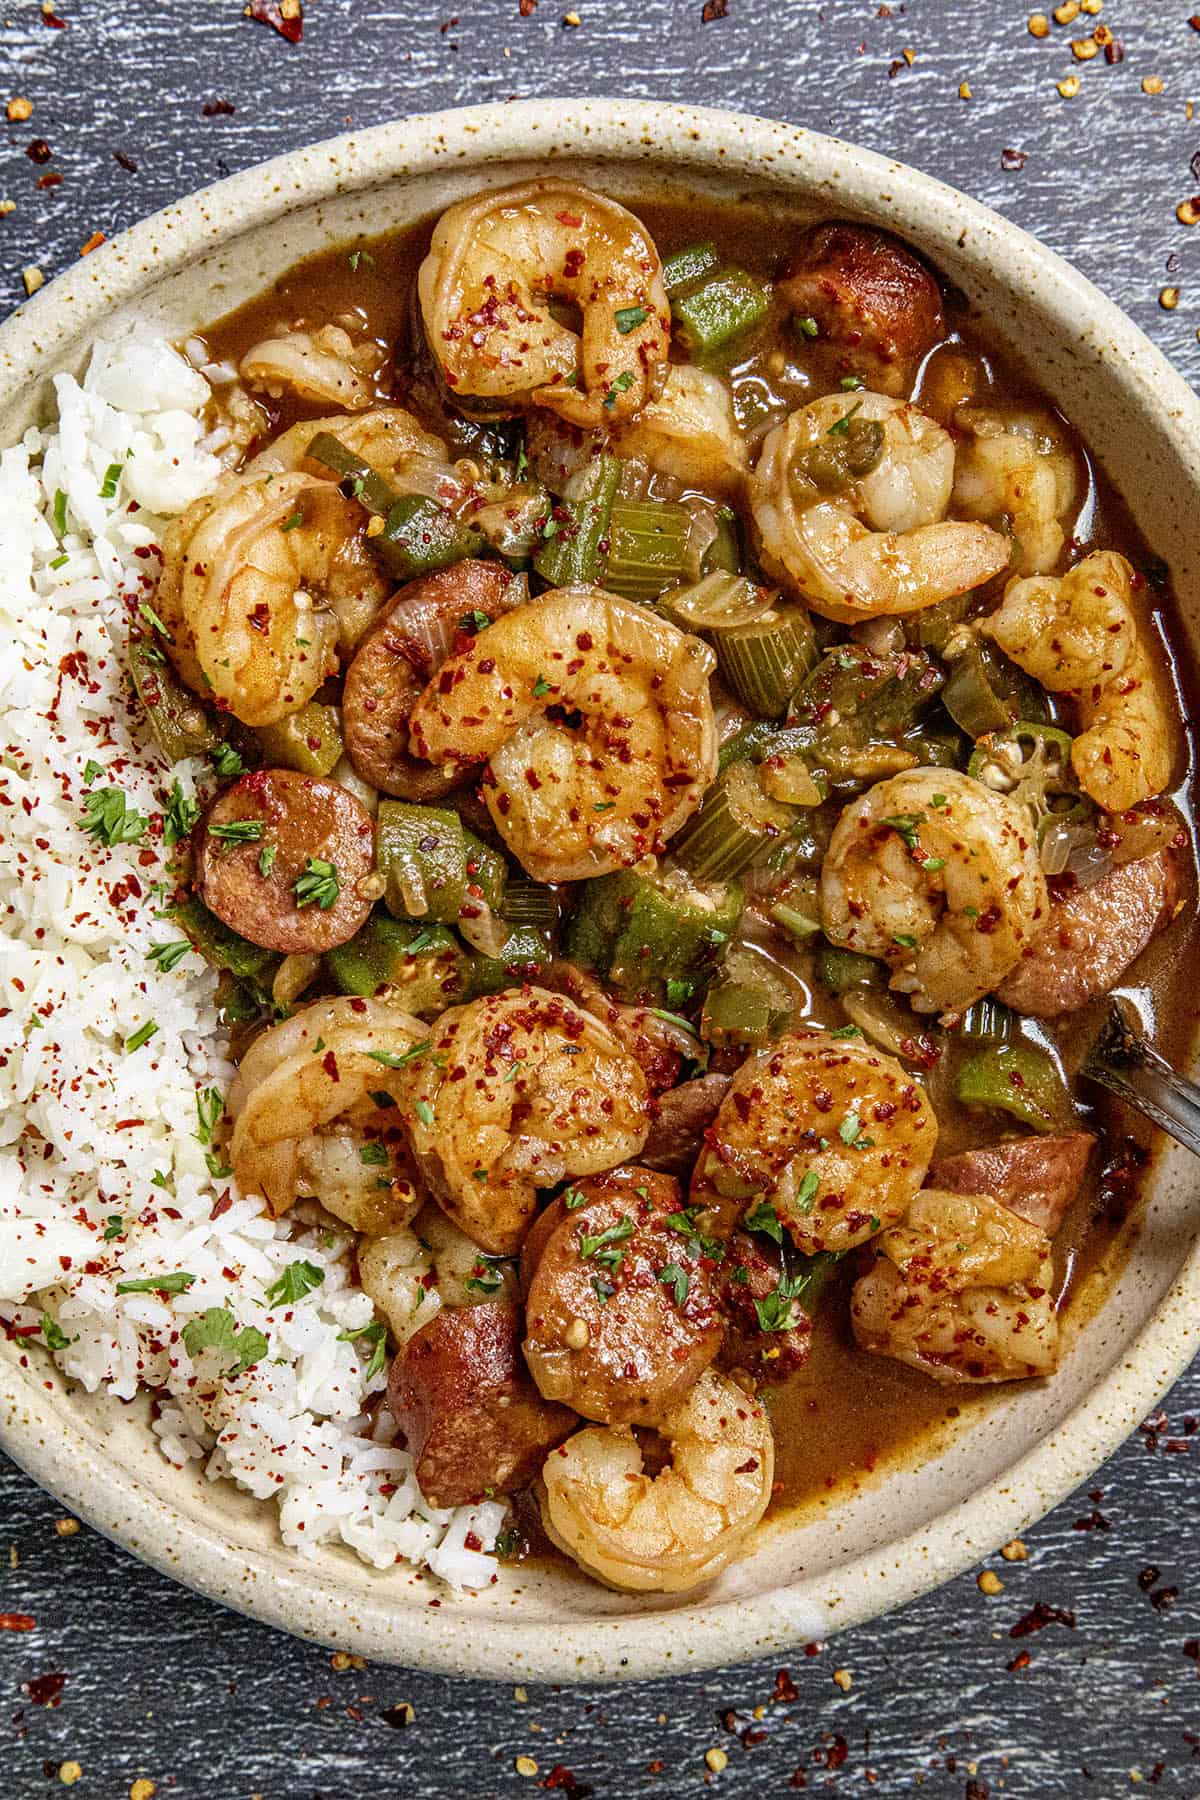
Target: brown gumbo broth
<point x="846" y="1412"/>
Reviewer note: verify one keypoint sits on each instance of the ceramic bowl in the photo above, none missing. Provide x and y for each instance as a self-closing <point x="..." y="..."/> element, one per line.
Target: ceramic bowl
<point x="865" y="1551"/>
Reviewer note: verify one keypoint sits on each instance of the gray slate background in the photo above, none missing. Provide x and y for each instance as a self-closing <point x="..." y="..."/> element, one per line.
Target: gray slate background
<point x="165" y="1686"/>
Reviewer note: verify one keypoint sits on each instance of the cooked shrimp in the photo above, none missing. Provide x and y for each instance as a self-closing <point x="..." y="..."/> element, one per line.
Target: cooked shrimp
<point x="253" y="578"/>
<point x="1079" y="634"/>
<point x="494" y="264"/>
<point x="849" y="499"/>
<point x="963" y="1290"/>
<point x="831" y="1134"/>
<point x="386" y="437"/>
<point x="519" y="1091"/>
<point x="412" y="1273"/>
<point x="689" y="433"/>
<point x="323" y="366"/>
<point x="1016" y="467"/>
<point x="577" y="799"/>
<point x="669" y="1532"/>
<point x="305" y="1110"/>
<point x="938" y="875"/>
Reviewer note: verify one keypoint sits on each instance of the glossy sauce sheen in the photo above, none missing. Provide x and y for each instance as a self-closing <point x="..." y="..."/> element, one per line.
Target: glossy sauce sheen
<point x="847" y="1415"/>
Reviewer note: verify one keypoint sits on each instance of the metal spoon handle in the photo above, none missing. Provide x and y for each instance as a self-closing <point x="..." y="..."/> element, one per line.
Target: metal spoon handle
<point x="1122" y="1061"/>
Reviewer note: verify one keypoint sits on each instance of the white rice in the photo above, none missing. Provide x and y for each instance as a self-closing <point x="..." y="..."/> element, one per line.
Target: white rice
<point x="91" y="1132"/>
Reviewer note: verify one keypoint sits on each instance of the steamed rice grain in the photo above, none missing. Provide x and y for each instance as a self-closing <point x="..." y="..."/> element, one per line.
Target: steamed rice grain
<point x="104" y="1178"/>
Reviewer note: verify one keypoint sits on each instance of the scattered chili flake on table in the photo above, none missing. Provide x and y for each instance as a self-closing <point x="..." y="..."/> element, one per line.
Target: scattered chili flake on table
<point x="714" y="9"/>
<point x="46" y="1690"/>
<point x="93" y="243"/>
<point x="285" y="16"/>
<point x="217" y="109"/>
<point x="38" y="150"/>
<point x="51" y="19"/>
<point x="1039" y="1616"/>
<point x="126" y="161"/>
<point x="16" y="1622"/>
<point x="1013" y="159"/>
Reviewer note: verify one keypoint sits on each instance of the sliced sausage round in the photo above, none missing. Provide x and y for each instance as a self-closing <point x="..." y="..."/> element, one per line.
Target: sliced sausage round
<point x="1037" y="1177"/>
<point x="285" y="859"/>
<point x="873" y="302"/>
<point x="621" y="1316"/>
<point x="684" y="1115"/>
<point x="472" y="1418"/>
<point x="394" y="662"/>
<point x="1093" y="936"/>
<point x="751" y="1273"/>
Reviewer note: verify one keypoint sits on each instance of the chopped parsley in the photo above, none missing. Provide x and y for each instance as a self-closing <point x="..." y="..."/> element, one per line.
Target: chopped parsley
<point x="573" y="1198"/>
<point x="841" y="427"/>
<point x="209" y="1107"/>
<point x="777" y="1312"/>
<point x="179" y="815"/>
<point x="237" y="831"/>
<point x="59" y="562"/>
<point x="298" y="1279"/>
<point x="374" y="1334"/>
<point x="507" y="1543"/>
<point x="764" y="1218"/>
<point x="852" y="383"/>
<point x="141" y="1036"/>
<point x="92" y="771"/>
<point x="216" y="1168"/>
<point x="424" y="1112"/>
<point x="678" y="1279"/>
<point x="177" y="1283"/>
<point x="603" y="805"/>
<point x="905" y="826"/>
<point x="151" y="617"/>
<point x="60" y="513"/>
<point x="806" y="1193"/>
<point x="474" y="622"/>
<point x="266" y="859"/>
<point x="602" y="1247"/>
<point x="846" y="1031"/>
<point x="56" y="1338"/>
<point x="905" y="940"/>
<point x="114" y="1227"/>
<point x="165" y="956"/>
<point x="107" y="819"/>
<point x="621" y="385"/>
<point x="479" y="1174"/>
<point x="683" y="1223"/>
<point x="541" y="688"/>
<point x="373" y="1155"/>
<point x="226" y="762"/>
<point x="391" y="1060"/>
<point x="852" y="1135"/>
<point x="112" y="476"/>
<point x="360" y="259"/>
<point x="806" y="326"/>
<point x="426" y="939"/>
<point x="629" y="318"/>
<point x="381" y="1097"/>
<point x="939" y="800"/>
<point x="292" y="520"/>
<point x="483" y="1279"/>
<point x="603" y="1290"/>
<point x="217" y="1329"/>
<point x="318" y="886"/>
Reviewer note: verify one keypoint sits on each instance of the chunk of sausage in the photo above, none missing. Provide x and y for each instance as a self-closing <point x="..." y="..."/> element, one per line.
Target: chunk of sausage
<point x="749" y="1273"/>
<point x="684" y="1115"/>
<point x="1094" y="935"/>
<point x="621" y="1316"/>
<point x="872" y="301"/>
<point x="285" y="823"/>
<point x="471" y="1416"/>
<point x="1035" y="1177"/>
<point x="393" y="664"/>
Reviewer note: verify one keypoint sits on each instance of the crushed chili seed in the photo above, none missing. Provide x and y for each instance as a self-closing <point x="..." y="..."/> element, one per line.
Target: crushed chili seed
<point x="844" y="1679"/>
<point x="69" y="1772"/>
<point x="1039" y="25"/>
<point x="1014" y="1551"/>
<point x="142" y="1789"/>
<point x="716" y="1759"/>
<point x="1083" y="49"/>
<point x="572" y="19"/>
<point x="1168" y="298"/>
<point x="1188" y="211"/>
<point x="33" y="279"/>
<point x="6" y="207"/>
<point x="964" y="90"/>
<point x="1152" y="84"/>
<point x="988" y="1582"/>
<point x="1068" y="87"/>
<point x="66" y="1527"/>
<point x="19" y="109"/>
<point x="1067" y="13"/>
<point x="525" y="1765"/>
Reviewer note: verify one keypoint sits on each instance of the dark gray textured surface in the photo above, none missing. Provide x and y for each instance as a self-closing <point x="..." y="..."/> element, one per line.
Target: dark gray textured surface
<point x="163" y="1685"/>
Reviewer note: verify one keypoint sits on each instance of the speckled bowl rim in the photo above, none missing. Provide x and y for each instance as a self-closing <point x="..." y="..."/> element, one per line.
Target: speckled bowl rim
<point x="274" y="1588"/>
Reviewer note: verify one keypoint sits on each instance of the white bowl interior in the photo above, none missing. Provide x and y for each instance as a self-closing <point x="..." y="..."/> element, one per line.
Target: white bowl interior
<point x="863" y="1551"/>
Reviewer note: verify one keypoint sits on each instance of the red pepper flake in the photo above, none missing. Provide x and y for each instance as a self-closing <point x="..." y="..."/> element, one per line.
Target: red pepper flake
<point x="714" y="9"/>
<point x="38" y="150"/>
<point x="284" y="16"/>
<point x="50" y="180"/>
<point x="526" y="8"/>
<point x="562" y="1781"/>
<point x="46" y="1690"/>
<point x="1021" y="1661"/>
<point x="217" y="109"/>
<point x="50" y="18"/>
<point x="1039" y="1616"/>
<point x="1013" y="159"/>
<point x="126" y="161"/>
<point x="93" y="243"/>
<point x="16" y="1622"/>
<point x="785" y="1687"/>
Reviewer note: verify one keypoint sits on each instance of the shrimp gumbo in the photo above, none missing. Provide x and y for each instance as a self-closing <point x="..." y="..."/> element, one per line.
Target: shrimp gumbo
<point x="697" y="738"/>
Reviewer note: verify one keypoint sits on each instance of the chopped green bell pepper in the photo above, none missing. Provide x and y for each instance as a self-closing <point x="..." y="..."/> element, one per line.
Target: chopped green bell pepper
<point x="309" y="740"/>
<point x="424" y="967"/>
<point x="643" y="931"/>
<point x="1019" y="1079"/>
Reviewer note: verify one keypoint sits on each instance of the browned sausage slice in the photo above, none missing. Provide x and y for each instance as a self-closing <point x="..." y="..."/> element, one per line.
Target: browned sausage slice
<point x="871" y="300"/>
<point x="684" y="1115"/>
<point x="750" y="1273"/>
<point x="621" y="1318"/>
<point x="265" y="834"/>
<point x="1037" y="1177"/>
<point x="471" y="1416"/>
<point x="1093" y="936"/>
<point x="395" y="661"/>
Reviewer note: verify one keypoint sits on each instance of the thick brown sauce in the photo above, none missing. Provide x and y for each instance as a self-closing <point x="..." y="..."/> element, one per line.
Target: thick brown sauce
<point x="846" y="1416"/>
